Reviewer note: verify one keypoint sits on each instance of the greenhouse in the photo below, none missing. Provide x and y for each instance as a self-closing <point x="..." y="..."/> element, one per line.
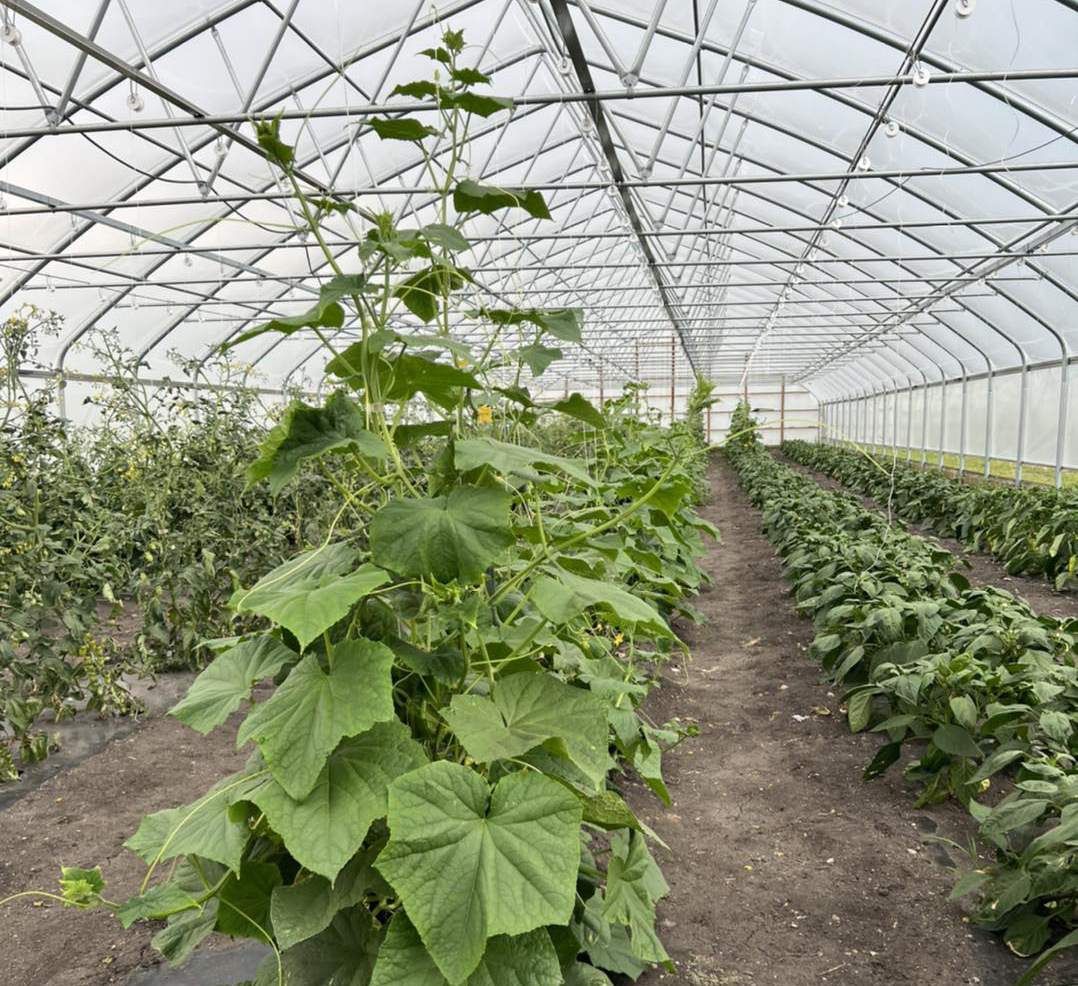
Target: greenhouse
<point x="538" y="492"/>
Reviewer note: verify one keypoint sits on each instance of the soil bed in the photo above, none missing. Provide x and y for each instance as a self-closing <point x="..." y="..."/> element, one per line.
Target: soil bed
<point x="983" y="568"/>
<point x="80" y="816"/>
<point x="784" y="868"/>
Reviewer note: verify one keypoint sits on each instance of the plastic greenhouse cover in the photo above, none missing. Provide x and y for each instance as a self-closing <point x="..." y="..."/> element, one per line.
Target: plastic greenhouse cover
<point x="869" y="214"/>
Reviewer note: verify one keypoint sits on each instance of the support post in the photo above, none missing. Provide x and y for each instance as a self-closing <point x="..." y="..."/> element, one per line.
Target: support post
<point x="1061" y="428"/>
<point x="782" y="410"/>
<point x="962" y="427"/>
<point x="673" y="373"/>
<point x="909" y="423"/>
<point x="894" y="430"/>
<point x="1020" y="445"/>
<point x="924" y="425"/>
<point x="943" y="418"/>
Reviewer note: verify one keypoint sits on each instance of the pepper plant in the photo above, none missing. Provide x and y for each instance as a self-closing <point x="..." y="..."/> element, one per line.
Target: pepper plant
<point x="455" y="670"/>
<point x="973" y="681"/>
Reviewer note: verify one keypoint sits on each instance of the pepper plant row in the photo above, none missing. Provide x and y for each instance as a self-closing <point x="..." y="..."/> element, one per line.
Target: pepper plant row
<point x="970" y="681"/>
<point x="458" y="669"/>
<point x="1032" y="530"/>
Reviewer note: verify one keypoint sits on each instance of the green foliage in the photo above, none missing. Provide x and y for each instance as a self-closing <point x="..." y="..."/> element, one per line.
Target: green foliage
<point x="460" y="660"/>
<point x="121" y="514"/>
<point x="1031" y="531"/>
<point x="744" y="434"/>
<point x="970" y="679"/>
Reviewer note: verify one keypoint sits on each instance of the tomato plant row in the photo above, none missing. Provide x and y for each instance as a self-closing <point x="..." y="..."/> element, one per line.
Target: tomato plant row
<point x="145" y="507"/>
<point x="972" y="681"/>
<point x="1032" y="530"/>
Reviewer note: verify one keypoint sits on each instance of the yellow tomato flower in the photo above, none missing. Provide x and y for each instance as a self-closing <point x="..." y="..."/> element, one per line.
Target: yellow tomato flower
<point x="461" y="362"/>
<point x="619" y="639"/>
<point x="486" y="414"/>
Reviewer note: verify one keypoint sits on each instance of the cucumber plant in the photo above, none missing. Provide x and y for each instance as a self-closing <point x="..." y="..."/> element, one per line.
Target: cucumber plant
<point x="454" y="671"/>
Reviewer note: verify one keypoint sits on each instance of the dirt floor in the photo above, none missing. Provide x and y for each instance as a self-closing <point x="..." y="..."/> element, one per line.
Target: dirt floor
<point x="784" y="867"/>
<point x="80" y="815"/>
<point x="983" y="568"/>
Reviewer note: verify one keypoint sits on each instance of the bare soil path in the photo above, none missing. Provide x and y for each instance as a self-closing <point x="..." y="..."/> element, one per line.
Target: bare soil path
<point x="80" y="816"/>
<point x="784" y="867"/>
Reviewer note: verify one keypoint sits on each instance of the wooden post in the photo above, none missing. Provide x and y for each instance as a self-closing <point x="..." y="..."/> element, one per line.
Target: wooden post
<point x="709" y="410"/>
<point x="782" y="410"/>
<point x="673" y="373"/>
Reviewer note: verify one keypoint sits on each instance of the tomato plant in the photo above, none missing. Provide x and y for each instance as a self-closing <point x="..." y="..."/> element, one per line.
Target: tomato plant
<point x="122" y="513"/>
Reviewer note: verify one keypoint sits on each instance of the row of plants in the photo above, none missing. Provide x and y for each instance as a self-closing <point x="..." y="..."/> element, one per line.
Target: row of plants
<point x="1031" y="530"/>
<point x="980" y="690"/>
<point x="453" y="679"/>
<point x="144" y="510"/>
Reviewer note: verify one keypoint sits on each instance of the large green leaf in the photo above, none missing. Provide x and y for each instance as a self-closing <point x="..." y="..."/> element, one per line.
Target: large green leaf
<point x="400" y="128"/>
<point x="306" y="432"/>
<point x="301" y="910"/>
<point x="313" y="710"/>
<point x="669" y="499"/>
<point x="633" y="885"/>
<point x="417" y="374"/>
<point x="342" y="955"/>
<point x="520" y="960"/>
<point x="471" y="196"/>
<point x="582" y="974"/>
<point x="955" y="740"/>
<point x="526" y="710"/>
<point x="473" y="102"/>
<point x="325" y="829"/>
<point x="226" y="684"/>
<point x="506" y="458"/>
<point x="422" y="291"/>
<point x="565" y="597"/>
<point x="454" y="537"/>
<point x="537" y="357"/>
<point x="202" y="828"/>
<point x="470" y="863"/>
<point x="326" y="313"/>
<point x="183" y="933"/>
<point x="576" y="406"/>
<point x="414" y="340"/>
<point x="161" y="901"/>
<point x="244" y="901"/>
<point x="607" y="810"/>
<point x="442" y="235"/>
<point x="615" y="953"/>
<point x="562" y="323"/>
<point x="311" y="592"/>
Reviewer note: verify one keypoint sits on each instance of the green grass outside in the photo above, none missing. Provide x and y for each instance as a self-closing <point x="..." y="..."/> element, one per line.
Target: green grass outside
<point x="1002" y="469"/>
